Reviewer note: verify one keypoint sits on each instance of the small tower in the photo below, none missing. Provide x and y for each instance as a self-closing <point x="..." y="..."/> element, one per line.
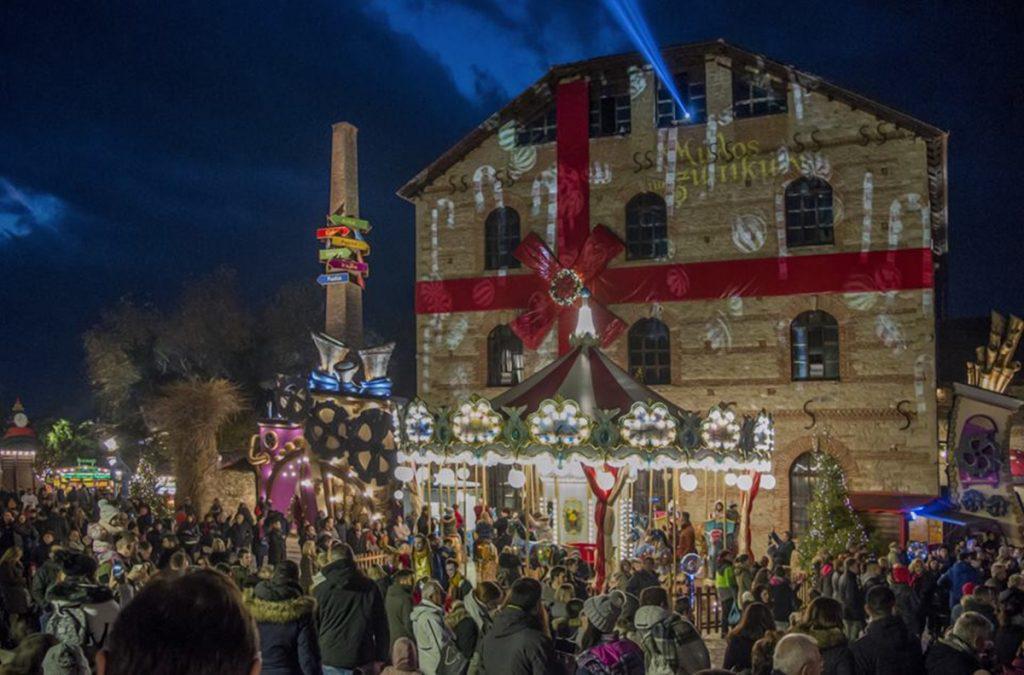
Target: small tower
<point x="18" y="451"/>
<point x="345" y="300"/>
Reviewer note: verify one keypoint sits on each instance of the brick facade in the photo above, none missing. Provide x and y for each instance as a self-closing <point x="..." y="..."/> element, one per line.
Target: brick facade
<point x="734" y="349"/>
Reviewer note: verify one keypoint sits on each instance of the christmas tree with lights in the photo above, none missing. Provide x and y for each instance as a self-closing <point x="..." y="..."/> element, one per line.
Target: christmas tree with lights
<point x="832" y="524"/>
<point x="143" y="487"/>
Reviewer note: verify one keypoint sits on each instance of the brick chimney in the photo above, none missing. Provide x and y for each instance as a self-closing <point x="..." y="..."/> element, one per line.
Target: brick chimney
<point x="345" y="301"/>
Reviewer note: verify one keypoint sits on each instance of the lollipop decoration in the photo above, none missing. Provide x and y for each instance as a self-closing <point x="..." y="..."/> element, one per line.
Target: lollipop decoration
<point x="720" y="430"/>
<point x="419" y="423"/>
<point x="648" y="427"/>
<point x="475" y="422"/>
<point x="559" y="423"/>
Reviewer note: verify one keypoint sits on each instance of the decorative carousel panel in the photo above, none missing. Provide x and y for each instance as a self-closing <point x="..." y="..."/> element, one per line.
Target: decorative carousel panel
<point x="474" y="422"/>
<point x="559" y="423"/>
<point x="419" y="423"/>
<point x="648" y="427"/>
<point x="720" y="430"/>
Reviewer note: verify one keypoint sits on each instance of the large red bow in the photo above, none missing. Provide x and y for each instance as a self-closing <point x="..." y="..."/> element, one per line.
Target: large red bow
<point x="561" y="299"/>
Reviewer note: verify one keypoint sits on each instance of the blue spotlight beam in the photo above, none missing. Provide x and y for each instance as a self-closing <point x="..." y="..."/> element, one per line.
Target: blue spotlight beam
<point x="627" y="13"/>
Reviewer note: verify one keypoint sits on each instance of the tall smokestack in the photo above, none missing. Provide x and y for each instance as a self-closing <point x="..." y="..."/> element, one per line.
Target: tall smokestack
<point x="345" y="301"/>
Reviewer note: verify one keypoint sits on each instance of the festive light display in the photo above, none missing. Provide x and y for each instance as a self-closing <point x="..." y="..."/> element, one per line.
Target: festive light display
<point x="720" y="430"/>
<point x="475" y="422"/>
<point x="648" y="426"/>
<point x="764" y="433"/>
<point x="559" y="423"/>
<point x="405" y="474"/>
<point x="516" y="478"/>
<point x="687" y="482"/>
<point x="767" y="481"/>
<point x="419" y="423"/>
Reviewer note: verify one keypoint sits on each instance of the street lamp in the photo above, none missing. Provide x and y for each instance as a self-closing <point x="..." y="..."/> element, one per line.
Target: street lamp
<point x="110" y="444"/>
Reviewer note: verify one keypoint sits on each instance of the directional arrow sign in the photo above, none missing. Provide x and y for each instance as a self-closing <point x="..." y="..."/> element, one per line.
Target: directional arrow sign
<point x="348" y="265"/>
<point x="349" y="221"/>
<point x="328" y="232"/>
<point x="349" y="243"/>
<point x="334" y="278"/>
<point x="332" y="253"/>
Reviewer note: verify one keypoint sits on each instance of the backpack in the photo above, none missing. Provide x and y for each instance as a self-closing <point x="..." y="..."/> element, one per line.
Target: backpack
<point x="70" y="625"/>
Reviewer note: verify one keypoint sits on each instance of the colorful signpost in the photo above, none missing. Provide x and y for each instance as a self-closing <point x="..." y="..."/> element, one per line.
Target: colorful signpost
<point x="344" y="249"/>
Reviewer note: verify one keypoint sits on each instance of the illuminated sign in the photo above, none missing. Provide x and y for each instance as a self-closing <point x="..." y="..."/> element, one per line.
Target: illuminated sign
<point x="335" y="278"/>
<point x="349" y="243"/>
<point x="328" y="232"/>
<point x="349" y="221"/>
<point x="348" y="265"/>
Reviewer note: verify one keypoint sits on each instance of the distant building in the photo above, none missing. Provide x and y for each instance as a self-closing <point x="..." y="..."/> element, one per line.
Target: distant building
<point x="784" y="249"/>
<point x="18" y="451"/>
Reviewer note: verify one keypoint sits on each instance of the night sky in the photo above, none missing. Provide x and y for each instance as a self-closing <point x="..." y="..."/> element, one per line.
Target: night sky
<point x="146" y="143"/>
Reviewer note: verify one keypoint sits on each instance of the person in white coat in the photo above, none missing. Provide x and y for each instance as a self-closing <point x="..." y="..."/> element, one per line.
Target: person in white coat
<point x="428" y="627"/>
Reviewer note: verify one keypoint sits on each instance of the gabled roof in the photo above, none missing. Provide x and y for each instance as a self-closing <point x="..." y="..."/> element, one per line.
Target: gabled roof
<point x="536" y="97"/>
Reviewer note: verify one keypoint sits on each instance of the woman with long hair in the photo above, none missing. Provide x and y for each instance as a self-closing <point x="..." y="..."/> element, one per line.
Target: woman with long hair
<point x="823" y="621"/>
<point x="755" y="623"/>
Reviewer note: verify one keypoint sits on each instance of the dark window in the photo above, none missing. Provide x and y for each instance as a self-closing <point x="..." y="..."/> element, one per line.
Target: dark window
<point x="501" y="238"/>
<point x="646" y="227"/>
<point x="815" y="346"/>
<point x="609" y="113"/>
<point x="756" y="95"/>
<point x="803" y="476"/>
<point x="650" y="353"/>
<point x="541" y="129"/>
<point x="808" y="212"/>
<point x="504" y="358"/>
<point x="691" y="88"/>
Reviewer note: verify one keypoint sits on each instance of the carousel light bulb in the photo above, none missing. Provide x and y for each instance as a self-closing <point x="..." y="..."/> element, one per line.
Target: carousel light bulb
<point x="399" y="495"/>
<point x="446" y="477"/>
<point x="604" y="479"/>
<point x="688" y="482"/>
<point x="516" y="478"/>
<point x="462" y="473"/>
<point x="404" y="473"/>
<point x="730" y="479"/>
<point x="744" y="482"/>
<point x="768" y="481"/>
<point x="422" y="474"/>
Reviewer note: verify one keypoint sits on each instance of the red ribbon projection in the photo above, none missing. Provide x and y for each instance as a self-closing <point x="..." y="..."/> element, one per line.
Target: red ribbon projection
<point x="537" y="294"/>
<point x="565" y="285"/>
<point x="604" y="516"/>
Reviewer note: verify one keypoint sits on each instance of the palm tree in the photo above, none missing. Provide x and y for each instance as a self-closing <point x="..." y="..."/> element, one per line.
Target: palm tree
<point x="192" y="412"/>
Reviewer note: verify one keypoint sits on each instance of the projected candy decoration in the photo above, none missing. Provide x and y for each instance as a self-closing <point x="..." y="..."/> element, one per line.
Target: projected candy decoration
<point x="476" y="423"/>
<point x="419" y="423"/>
<point x="749" y="233"/>
<point x="559" y="423"/>
<point x="648" y="427"/>
<point x="978" y="452"/>
<point x="764" y="433"/>
<point x="972" y="501"/>
<point x="997" y="506"/>
<point x="637" y="81"/>
<point x="720" y="430"/>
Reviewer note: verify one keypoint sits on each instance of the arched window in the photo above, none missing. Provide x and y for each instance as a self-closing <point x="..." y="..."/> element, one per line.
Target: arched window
<point x="501" y="237"/>
<point x="646" y="227"/>
<point x="504" y="358"/>
<point x="803" y="476"/>
<point x="808" y="212"/>
<point x="814" y="345"/>
<point x="650" y="354"/>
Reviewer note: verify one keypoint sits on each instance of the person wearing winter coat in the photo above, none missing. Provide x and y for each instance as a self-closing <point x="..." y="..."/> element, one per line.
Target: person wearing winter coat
<point x="980" y="599"/>
<point x="77" y="592"/>
<point x="480" y="606"/>
<point x="725" y="586"/>
<point x="284" y="616"/>
<point x="645" y="577"/>
<point x="823" y="621"/>
<point x="908" y="606"/>
<point x="671" y="645"/>
<point x="403" y="659"/>
<point x="429" y="630"/>
<point x="744" y="577"/>
<point x="888" y="646"/>
<point x="352" y="623"/>
<point x="519" y="640"/>
<point x="602" y="649"/>
<point x="398" y="605"/>
<point x="964" y="571"/>
<point x="13" y="587"/>
<point x="849" y="592"/>
<point x="277" y="548"/>
<point x="784" y="600"/>
<point x="959" y="652"/>
<point x="757" y="622"/>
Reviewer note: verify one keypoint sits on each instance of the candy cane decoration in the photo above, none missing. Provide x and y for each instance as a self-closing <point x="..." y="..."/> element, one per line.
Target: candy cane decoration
<point x="920" y="375"/>
<point x="926" y="246"/>
<point x="895" y="228"/>
<point x="443" y="205"/>
<point x="662" y="133"/>
<point x="868" y="205"/>
<point x="670" y="174"/>
<point x="600" y="174"/>
<point x="487" y="172"/>
<point x="780" y="232"/>
<point x="712" y="143"/>
<point x="798" y="101"/>
<point x="547" y="180"/>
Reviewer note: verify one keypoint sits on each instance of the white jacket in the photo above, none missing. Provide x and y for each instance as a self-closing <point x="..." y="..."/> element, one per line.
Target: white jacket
<point x="430" y="634"/>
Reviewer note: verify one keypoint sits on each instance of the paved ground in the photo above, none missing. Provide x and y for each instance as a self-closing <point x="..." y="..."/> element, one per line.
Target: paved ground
<point x="716" y="646"/>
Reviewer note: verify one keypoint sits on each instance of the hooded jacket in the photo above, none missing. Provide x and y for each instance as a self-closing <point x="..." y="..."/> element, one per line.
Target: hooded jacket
<point x="907" y="603"/>
<point x="96" y="601"/>
<point x="671" y="645"/>
<point x="403" y="659"/>
<point x="515" y="645"/>
<point x="851" y="595"/>
<point x="431" y="635"/>
<point x="888" y="647"/>
<point x="398" y="605"/>
<point x="353" y="627"/>
<point x="834" y="648"/>
<point x="955" y="577"/>
<point x="951" y="656"/>
<point x="288" y="640"/>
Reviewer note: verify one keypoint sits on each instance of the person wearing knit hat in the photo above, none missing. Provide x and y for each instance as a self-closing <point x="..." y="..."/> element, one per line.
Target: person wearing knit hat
<point x="602" y="649"/>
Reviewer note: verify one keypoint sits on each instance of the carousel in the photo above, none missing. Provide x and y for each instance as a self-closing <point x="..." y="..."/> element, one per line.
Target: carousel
<point x="576" y="436"/>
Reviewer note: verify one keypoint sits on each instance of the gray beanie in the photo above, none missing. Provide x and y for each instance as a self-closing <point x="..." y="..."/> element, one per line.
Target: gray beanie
<point x="65" y="659"/>
<point x="602" y="611"/>
<point x="630" y="603"/>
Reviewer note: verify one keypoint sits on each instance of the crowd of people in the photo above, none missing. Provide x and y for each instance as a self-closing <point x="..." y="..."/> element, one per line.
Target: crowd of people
<point x="94" y="582"/>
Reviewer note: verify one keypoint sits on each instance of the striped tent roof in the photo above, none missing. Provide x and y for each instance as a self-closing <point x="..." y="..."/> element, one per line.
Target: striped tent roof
<point x="586" y="375"/>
